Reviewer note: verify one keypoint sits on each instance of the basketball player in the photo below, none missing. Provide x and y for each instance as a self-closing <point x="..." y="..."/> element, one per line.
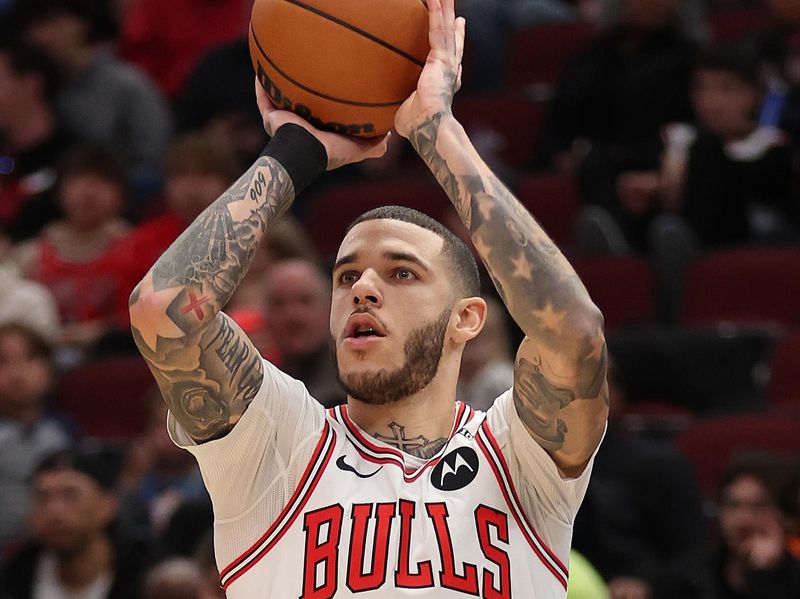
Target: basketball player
<point x="403" y="492"/>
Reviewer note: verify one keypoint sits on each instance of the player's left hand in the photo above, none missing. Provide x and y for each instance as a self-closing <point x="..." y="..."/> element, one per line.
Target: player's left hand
<point x="441" y="76"/>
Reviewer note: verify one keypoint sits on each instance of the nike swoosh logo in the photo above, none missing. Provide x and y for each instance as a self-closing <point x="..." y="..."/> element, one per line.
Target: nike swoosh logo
<point x="342" y="465"/>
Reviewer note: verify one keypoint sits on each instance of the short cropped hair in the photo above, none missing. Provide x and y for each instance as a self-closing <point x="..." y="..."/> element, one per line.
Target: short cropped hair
<point x="26" y="59"/>
<point x="465" y="267"/>
<point x="96" y="160"/>
<point x="739" y="60"/>
<point x="198" y="153"/>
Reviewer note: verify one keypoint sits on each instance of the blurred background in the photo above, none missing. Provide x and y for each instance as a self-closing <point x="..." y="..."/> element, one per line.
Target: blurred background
<point x="655" y="140"/>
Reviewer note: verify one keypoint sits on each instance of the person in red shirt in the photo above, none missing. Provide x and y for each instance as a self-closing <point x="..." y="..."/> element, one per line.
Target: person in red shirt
<point x="198" y="170"/>
<point x="167" y="39"/>
<point x="79" y="257"/>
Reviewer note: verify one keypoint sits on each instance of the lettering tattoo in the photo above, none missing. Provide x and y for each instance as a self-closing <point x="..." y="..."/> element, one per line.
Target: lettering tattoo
<point x="206" y="367"/>
<point x="536" y="282"/>
<point x="418" y="446"/>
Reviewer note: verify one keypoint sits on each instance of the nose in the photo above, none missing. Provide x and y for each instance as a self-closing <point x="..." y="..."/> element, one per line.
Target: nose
<point x="366" y="291"/>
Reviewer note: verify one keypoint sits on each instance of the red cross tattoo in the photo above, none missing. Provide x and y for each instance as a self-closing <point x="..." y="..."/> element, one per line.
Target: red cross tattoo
<point x="196" y="305"/>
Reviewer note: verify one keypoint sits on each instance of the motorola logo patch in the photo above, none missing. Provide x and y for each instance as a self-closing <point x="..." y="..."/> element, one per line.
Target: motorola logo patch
<point x="456" y="470"/>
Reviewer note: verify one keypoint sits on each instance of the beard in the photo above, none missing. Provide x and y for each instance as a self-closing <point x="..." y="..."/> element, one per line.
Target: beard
<point x="423" y="352"/>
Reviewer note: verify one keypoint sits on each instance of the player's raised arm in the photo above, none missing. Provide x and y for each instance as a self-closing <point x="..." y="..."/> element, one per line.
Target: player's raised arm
<point x="560" y="389"/>
<point x="206" y="367"/>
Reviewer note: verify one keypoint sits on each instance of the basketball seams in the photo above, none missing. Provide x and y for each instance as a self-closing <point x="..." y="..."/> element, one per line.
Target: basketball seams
<point x="314" y="92"/>
<point x="357" y="30"/>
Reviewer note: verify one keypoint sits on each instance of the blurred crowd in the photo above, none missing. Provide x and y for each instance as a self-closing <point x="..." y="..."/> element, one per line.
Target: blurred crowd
<point x="658" y="141"/>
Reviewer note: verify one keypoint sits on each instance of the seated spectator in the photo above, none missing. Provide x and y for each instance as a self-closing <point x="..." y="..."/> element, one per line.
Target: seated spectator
<point x="27" y="434"/>
<point x="218" y="98"/>
<point x="31" y="139"/>
<point x="157" y="477"/>
<point x="199" y="170"/>
<point x="298" y="299"/>
<point x="103" y="100"/>
<point x="74" y="552"/>
<point x="487" y="366"/>
<point x="642" y="510"/>
<point x="614" y="98"/>
<point x="751" y="560"/>
<point x="79" y="257"/>
<point x="166" y="40"/>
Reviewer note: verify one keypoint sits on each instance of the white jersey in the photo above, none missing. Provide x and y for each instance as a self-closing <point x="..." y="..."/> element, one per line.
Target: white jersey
<point x="487" y="516"/>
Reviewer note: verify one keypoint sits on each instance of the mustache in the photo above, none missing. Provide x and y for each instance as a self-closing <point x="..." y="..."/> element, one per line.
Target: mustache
<point x="366" y="309"/>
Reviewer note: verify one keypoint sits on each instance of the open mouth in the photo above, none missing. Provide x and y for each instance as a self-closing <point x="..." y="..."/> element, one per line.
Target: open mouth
<point x="362" y="326"/>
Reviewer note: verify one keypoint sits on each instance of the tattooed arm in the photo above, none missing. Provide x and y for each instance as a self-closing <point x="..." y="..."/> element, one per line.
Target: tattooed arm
<point x="206" y="367"/>
<point x="560" y="389"/>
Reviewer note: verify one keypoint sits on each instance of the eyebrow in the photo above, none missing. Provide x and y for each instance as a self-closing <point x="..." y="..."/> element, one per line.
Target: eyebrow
<point x="394" y="256"/>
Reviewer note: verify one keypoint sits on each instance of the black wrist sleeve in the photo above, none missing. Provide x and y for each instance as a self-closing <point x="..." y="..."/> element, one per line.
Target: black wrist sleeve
<point x="300" y="153"/>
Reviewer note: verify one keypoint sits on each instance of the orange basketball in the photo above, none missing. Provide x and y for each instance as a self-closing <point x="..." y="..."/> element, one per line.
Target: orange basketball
<point x="344" y="65"/>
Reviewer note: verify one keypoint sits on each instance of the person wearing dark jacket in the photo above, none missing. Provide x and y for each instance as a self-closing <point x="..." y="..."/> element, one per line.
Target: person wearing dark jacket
<point x="74" y="553"/>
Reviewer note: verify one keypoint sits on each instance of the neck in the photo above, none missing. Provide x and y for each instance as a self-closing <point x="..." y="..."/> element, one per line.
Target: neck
<point x="79" y="59"/>
<point x="26" y="414"/>
<point x="77" y="570"/>
<point x="419" y="424"/>
<point x="35" y="128"/>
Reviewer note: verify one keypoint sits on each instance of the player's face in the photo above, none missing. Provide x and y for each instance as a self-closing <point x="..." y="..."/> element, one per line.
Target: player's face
<point x="746" y="509"/>
<point x="390" y="310"/>
<point x="68" y="509"/>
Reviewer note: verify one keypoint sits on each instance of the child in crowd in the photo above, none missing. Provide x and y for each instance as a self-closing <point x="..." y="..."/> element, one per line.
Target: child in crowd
<point x="79" y="257"/>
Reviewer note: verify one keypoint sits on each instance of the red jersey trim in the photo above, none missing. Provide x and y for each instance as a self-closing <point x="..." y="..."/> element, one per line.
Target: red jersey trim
<point x="388" y="455"/>
<point x="305" y="487"/>
<point x="494" y="455"/>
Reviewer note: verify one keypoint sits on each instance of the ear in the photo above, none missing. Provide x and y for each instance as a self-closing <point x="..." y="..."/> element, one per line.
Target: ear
<point x="469" y="316"/>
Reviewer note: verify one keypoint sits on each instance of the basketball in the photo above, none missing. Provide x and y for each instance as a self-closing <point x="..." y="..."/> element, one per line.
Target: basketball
<point x="343" y="65"/>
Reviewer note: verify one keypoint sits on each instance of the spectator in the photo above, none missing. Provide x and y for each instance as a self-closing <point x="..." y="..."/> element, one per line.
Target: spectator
<point x="27" y="434"/>
<point x="642" y="510"/>
<point x="751" y="560"/>
<point x="74" y="553"/>
<point x="79" y="258"/>
<point x="157" y="478"/>
<point x="31" y="139"/>
<point x="487" y="367"/>
<point x="104" y="100"/>
<point x="298" y="300"/>
<point x="198" y="170"/>
<point x="613" y="99"/>
<point x="218" y="98"/>
<point x="173" y="578"/>
<point x="28" y="303"/>
<point x="166" y="40"/>
<point x="204" y="556"/>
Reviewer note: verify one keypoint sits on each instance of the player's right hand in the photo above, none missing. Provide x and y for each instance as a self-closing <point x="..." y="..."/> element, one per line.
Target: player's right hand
<point x="341" y="149"/>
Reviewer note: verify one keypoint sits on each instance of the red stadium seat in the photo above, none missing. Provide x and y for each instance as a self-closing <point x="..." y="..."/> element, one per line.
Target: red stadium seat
<point x="623" y="288"/>
<point x="333" y="210"/>
<point x="784" y="385"/>
<point x="107" y="397"/>
<point x="751" y="285"/>
<point x="711" y="444"/>
<point x="554" y="201"/>
<point x="538" y="55"/>
<point x="509" y="121"/>
<point x="733" y="25"/>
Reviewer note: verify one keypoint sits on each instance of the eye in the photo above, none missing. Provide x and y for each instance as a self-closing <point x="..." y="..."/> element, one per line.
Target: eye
<point x="348" y="277"/>
<point x="404" y="274"/>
